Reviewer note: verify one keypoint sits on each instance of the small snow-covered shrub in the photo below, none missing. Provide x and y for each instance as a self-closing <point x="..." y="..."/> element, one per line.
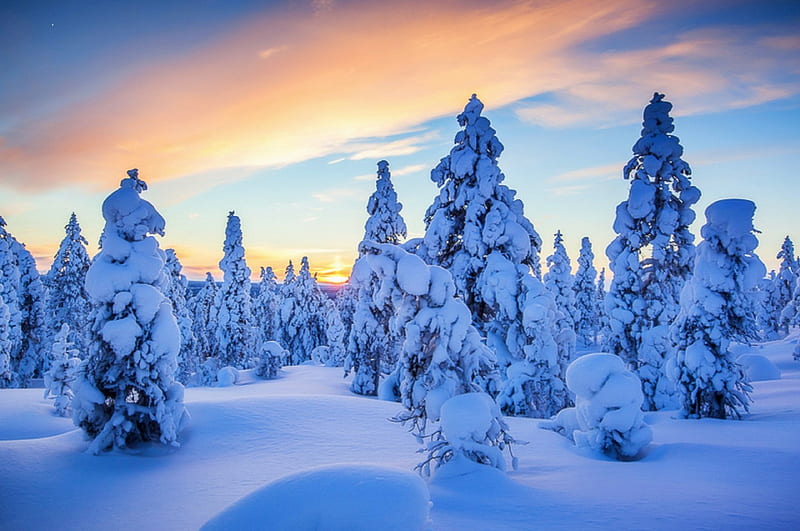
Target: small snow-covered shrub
<point x="333" y="498"/>
<point x="472" y="428"/>
<point x="757" y="368"/>
<point x="227" y="376"/>
<point x="607" y="416"/>
<point x="271" y="359"/>
<point x="57" y="380"/>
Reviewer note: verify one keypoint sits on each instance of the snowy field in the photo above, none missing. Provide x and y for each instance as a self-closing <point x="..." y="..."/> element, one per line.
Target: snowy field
<point x="697" y="474"/>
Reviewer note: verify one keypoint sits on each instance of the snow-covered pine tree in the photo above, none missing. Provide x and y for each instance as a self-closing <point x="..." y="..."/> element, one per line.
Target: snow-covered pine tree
<point x="176" y="292"/>
<point x="785" y="282"/>
<point x="373" y="347"/>
<point x="7" y="378"/>
<point x="125" y="391"/>
<point x="266" y="306"/>
<point x="335" y="332"/>
<point x="600" y="306"/>
<point x="476" y="223"/>
<point x="58" y="379"/>
<point x="234" y="338"/>
<point x="67" y="301"/>
<point x="303" y="316"/>
<point x="534" y="386"/>
<point x="586" y="321"/>
<point x="32" y="352"/>
<point x="204" y="327"/>
<point x="11" y="279"/>
<point x="790" y="316"/>
<point x="442" y="354"/>
<point x="651" y="256"/>
<point x="346" y="300"/>
<point x="717" y="307"/>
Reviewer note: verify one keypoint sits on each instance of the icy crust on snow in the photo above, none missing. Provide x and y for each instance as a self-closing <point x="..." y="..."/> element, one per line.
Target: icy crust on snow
<point x="607" y="416"/>
<point x="333" y="498"/>
<point x="125" y="391"/>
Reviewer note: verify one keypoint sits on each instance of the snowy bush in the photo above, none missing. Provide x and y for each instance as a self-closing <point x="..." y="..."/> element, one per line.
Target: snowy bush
<point x="58" y="379"/>
<point x="125" y="392"/>
<point x="271" y="359"/>
<point x="333" y="498"/>
<point x="227" y="376"/>
<point x="472" y="429"/>
<point x="607" y="416"/>
<point x="717" y="307"/>
<point x="758" y="368"/>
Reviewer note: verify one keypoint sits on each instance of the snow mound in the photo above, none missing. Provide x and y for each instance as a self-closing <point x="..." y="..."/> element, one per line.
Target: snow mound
<point x="336" y="497"/>
<point x="227" y="376"/>
<point x="758" y="368"/>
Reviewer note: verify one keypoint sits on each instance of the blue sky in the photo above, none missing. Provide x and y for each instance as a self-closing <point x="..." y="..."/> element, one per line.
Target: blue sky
<point x="281" y="110"/>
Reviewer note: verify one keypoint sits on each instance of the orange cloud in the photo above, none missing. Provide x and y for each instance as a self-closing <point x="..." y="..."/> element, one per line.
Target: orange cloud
<point x="282" y="89"/>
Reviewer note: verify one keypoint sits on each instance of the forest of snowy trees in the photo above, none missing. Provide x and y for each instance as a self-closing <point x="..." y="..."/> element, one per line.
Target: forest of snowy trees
<point x="468" y="308"/>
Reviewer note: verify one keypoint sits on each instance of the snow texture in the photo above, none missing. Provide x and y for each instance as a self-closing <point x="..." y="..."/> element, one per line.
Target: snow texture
<point x="758" y="368"/>
<point x="125" y="392"/>
<point x="717" y="307"/>
<point x="323" y="498"/>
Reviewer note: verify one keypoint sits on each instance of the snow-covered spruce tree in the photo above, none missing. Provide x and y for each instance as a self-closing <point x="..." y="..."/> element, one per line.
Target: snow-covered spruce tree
<point x="790" y="316"/>
<point x="534" y="386"/>
<point x="7" y="378"/>
<point x="651" y="256"/>
<point x="785" y="281"/>
<point x="473" y="217"/>
<point x="58" y="379"/>
<point x="559" y="281"/>
<point x="176" y="292"/>
<point x="204" y="327"/>
<point x="283" y="328"/>
<point x="717" y="307"/>
<point x="442" y="354"/>
<point x="373" y="347"/>
<point x="234" y="338"/>
<point x="346" y="299"/>
<point x="265" y="306"/>
<point x="31" y="358"/>
<point x="586" y="319"/>
<point x="335" y="333"/>
<point x="67" y="301"/>
<point x="600" y="306"/>
<point x="125" y="391"/>
<point x="304" y="318"/>
<point x="11" y="279"/>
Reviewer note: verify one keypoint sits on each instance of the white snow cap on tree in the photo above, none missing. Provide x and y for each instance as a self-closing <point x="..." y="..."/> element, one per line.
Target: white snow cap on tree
<point x="607" y="416"/>
<point x="717" y="307"/>
<point x="125" y="392"/>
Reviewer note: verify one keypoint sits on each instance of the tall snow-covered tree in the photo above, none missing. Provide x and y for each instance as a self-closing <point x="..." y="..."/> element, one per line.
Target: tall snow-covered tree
<point x="600" y="305"/>
<point x="651" y="256"/>
<point x="11" y="296"/>
<point x="372" y="345"/>
<point x="31" y="357"/>
<point x="67" y="301"/>
<point x="284" y="328"/>
<point x="304" y="325"/>
<point x="559" y="281"/>
<point x="266" y="306"/>
<point x="717" y="307"/>
<point x="7" y="377"/>
<point x="234" y="339"/>
<point x="176" y="292"/>
<point x="785" y="281"/>
<point x="442" y="354"/>
<point x="125" y="392"/>
<point x="790" y="316"/>
<point x="586" y="319"/>
<point x="335" y="333"/>
<point x="204" y="327"/>
<point x="476" y="222"/>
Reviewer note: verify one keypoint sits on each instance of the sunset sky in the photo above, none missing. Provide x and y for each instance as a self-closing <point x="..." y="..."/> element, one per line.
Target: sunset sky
<point x="280" y="111"/>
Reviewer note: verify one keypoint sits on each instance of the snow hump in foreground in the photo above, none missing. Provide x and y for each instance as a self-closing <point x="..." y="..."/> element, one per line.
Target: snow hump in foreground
<point x="333" y="498"/>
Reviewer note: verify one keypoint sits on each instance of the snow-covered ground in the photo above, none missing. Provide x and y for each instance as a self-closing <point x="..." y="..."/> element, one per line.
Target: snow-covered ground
<point x="696" y="474"/>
